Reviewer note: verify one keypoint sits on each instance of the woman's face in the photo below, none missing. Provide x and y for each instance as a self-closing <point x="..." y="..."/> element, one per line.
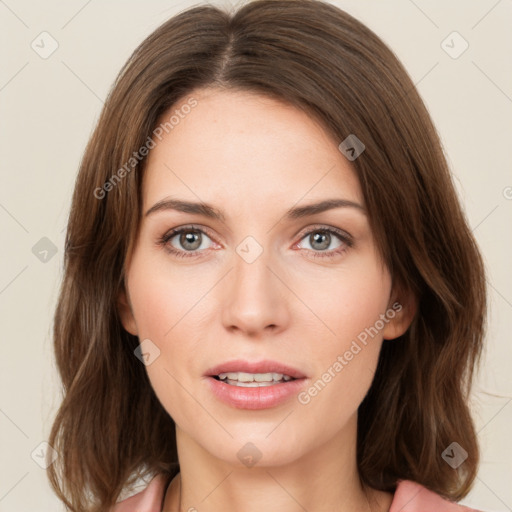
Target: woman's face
<point x="305" y="289"/>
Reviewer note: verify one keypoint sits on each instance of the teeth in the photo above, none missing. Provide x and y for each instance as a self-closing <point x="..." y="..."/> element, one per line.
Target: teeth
<point x="251" y="384"/>
<point x="253" y="379"/>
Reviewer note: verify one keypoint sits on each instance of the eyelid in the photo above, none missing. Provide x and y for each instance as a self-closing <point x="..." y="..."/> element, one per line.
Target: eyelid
<point x="188" y="227"/>
<point x="344" y="235"/>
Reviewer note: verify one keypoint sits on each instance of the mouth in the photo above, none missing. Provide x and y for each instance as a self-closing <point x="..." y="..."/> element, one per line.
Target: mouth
<point x="254" y="373"/>
<point x="255" y="385"/>
<point x="252" y="380"/>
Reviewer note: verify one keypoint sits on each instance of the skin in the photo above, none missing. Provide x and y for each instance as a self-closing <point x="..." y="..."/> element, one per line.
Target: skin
<point x="255" y="158"/>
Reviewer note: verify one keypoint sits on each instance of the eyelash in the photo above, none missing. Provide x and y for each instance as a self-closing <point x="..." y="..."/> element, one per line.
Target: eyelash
<point x="341" y="235"/>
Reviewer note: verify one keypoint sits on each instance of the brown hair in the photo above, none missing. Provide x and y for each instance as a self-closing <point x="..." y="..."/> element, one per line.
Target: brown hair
<point x="111" y="428"/>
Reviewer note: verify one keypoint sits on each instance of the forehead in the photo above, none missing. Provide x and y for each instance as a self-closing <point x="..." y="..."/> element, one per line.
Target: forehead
<point x="245" y="149"/>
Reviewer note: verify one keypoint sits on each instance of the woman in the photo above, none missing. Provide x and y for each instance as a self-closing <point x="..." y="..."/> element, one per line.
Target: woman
<point x="271" y="299"/>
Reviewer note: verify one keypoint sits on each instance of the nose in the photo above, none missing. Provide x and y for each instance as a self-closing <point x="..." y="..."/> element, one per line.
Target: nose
<point x="255" y="298"/>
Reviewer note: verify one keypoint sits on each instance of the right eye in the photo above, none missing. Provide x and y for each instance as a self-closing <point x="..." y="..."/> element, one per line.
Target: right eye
<point x="184" y="242"/>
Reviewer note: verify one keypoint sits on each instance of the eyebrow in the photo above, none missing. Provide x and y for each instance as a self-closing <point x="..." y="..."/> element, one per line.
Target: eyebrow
<point x="298" y="212"/>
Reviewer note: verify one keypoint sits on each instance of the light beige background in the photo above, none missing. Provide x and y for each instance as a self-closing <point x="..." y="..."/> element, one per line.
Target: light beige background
<point x="48" y="110"/>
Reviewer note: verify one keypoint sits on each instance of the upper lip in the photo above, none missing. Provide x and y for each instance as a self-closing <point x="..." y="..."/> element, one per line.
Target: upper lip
<point x="264" y="366"/>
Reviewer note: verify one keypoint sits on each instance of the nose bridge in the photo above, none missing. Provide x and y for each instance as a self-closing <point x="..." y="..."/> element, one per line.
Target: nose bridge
<point x="251" y="267"/>
<point x="255" y="300"/>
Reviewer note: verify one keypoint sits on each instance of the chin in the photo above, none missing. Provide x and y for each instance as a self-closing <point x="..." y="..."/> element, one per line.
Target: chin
<point x="251" y="451"/>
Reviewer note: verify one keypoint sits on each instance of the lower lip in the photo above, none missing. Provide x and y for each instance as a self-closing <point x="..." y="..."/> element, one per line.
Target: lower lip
<point x="262" y="397"/>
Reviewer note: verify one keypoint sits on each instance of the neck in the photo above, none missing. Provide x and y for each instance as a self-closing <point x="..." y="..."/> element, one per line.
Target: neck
<point x="325" y="478"/>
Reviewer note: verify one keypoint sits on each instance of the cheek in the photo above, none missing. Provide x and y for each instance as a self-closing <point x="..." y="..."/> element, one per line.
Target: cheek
<point x="160" y="296"/>
<point x="346" y="301"/>
<point x="349" y="337"/>
<point x="168" y="310"/>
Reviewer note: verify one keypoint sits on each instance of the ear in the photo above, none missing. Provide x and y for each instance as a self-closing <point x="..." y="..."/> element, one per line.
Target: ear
<point x="125" y="312"/>
<point x="402" y="307"/>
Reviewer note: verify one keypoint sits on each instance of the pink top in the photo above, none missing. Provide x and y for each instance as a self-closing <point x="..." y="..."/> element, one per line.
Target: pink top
<point x="409" y="497"/>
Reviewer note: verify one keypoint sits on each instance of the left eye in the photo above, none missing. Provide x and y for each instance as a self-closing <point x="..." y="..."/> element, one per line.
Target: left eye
<point x="320" y="240"/>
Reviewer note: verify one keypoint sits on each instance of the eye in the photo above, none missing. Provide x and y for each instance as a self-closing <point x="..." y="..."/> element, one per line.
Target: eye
<point x="189" y="241"/>
<point x="185" y="242"/>
<point x="321" y="238"/>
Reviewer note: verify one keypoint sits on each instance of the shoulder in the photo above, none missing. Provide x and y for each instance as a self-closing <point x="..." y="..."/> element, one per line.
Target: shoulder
<point x="409" y="497"/>
<point x="413" y="497"/>
<point x="148" y="500"/>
